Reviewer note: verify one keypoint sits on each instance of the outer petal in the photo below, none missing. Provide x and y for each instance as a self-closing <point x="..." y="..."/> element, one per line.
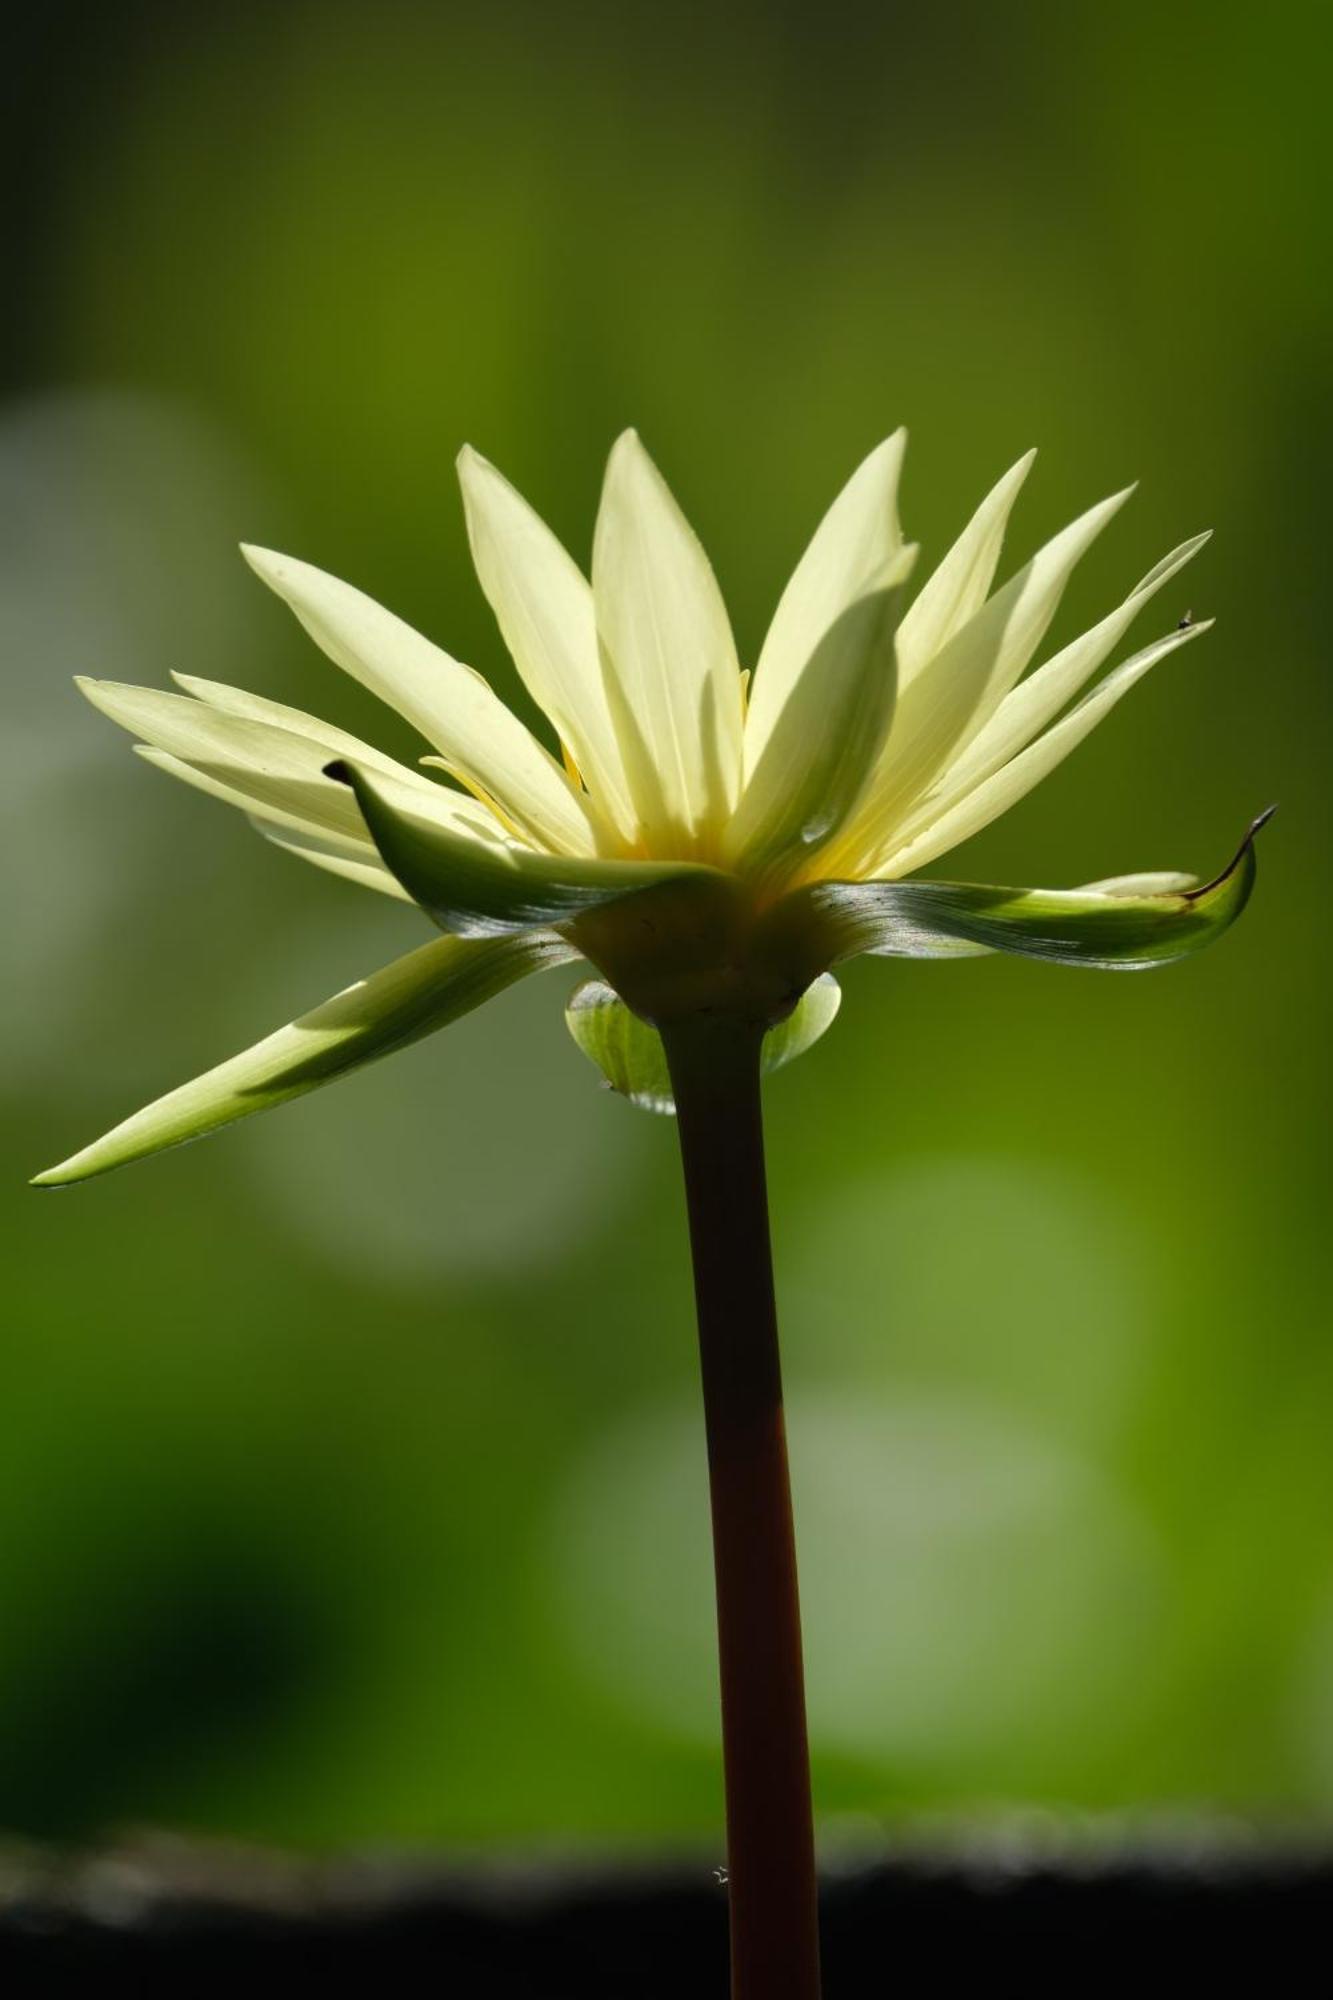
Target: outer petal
<point x="450" y="704"/>
<point x="408" y="999"/>
<point x="1114" y="927"/>
<point x="270" y="768"/>
<point x="364" y="868"/>
<point x="355" y="859"/>
<point x="544" y="607"/>
<point x="1027" y="708"/>
<point x="478" y="891"/>
<point x="630" y="1055"/>
<point x="258" y="708"/>
<point x="955" y="692"/>
<point x="672" y="674"/>
<point x="977" y="807"/>
<point x="855" y="552"/>
<point x="824" y="743"/>
<point x="467" y="813"/>
<point x="956" y="591"/>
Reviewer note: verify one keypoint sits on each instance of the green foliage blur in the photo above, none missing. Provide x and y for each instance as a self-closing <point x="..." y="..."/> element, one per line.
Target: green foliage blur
<point x="351" y="1477"/>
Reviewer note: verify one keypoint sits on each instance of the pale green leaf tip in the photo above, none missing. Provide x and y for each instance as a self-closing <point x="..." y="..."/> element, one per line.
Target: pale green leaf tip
<point x="85" y="1165"/>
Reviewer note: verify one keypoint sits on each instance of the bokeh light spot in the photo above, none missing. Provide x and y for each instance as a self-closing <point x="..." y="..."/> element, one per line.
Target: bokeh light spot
<point x="969" y="1586"/>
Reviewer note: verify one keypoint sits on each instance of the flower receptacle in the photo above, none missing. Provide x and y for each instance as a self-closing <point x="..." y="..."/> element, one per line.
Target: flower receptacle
<point x="700" y="945"/>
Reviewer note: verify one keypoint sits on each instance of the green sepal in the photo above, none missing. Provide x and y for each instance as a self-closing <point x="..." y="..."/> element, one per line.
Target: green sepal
<point x="630" y="1054"/>
<point x="410" y="998"/>
<point x="471" y="888"/>
<point x="1098" y="927"/>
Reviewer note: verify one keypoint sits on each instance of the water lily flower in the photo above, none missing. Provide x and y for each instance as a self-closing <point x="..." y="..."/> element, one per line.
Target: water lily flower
<point x="700" y="841"/>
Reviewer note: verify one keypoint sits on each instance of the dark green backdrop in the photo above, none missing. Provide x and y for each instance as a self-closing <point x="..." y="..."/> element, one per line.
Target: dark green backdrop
<point x="350" y="1476"/>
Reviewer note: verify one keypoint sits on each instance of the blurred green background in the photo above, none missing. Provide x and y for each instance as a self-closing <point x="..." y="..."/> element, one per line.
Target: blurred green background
<point x="351" y="1465"/>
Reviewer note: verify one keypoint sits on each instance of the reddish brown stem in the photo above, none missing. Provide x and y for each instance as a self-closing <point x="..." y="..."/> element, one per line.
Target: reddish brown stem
<point x="715" y="1074"/>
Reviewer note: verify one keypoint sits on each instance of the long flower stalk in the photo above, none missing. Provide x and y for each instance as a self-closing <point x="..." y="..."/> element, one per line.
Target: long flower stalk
<point x="715" y="1074"/>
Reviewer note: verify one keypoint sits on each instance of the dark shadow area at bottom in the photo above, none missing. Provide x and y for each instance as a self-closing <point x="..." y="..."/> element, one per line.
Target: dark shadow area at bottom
<point x="183" y="1919"/>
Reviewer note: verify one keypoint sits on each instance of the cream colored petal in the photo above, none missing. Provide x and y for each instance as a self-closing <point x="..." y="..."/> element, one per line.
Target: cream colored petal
<point x="673" y="677"/>
<point x="855" y="551"/>
<point x="1007" y="786"/>
<point x="956" y="591"/>
<point x="449" y="703"/>
<point x="258" y="708"/>
<point x="1027" y="708"/>
<point x="824" y="744"/>
<point x="260" y="806"/>
<point x="957" y="691"/>
<point x="367" y="871"/>
<point x="962" y="780"/>
<point x="465" y="811"/>
<point x="273" y="768"/>
<point x="354" y="858"/>
<point x="543" y="605"/>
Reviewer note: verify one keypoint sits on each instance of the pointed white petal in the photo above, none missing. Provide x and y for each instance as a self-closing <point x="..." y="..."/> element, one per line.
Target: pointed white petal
<point x="258" y="708"/>
<point x="1017" y="778"/>
<point x="274" y="769"/>
<point x="366" y="870"/>
<point x="824" y="744"/>
<point x="410" y="998"/>
<point x="957" y="691"/>
<point x="277" y="715"/>
<point x="673" y="677"/>
<point x="260" y="811"/>
<point x="356" y="859"/>
<point x="1027" y="708"/>
<point x="957" y="590"/>
<point x="964" y="781"/>
<point x="544" y="607"/>
<point x="450" y="704"/>
<point x="854" y="552"/>
<point x="1014" y="622"/>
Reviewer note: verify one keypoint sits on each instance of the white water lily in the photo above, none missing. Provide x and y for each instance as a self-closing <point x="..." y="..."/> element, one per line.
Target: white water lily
<point x="698" y="850"/>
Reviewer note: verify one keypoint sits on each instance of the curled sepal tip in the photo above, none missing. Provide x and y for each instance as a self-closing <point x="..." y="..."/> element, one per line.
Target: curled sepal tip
<point x="1113" y="926"/>
<point x="630" y="1054"/>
